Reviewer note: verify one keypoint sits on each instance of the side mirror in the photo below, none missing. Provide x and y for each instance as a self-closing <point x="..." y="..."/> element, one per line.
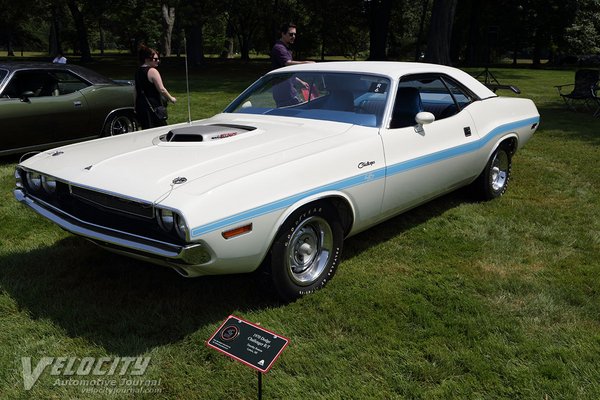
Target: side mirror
<point x="26" y="95"/>
<point x="423" y="118"/>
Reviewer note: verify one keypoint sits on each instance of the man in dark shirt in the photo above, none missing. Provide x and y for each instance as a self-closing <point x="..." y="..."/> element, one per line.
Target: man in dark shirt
<point x="281" y="55"/>
<point x="284" y="93"/>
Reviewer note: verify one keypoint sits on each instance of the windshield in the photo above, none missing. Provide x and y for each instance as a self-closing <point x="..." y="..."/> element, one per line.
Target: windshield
<point x="341" y="97"/>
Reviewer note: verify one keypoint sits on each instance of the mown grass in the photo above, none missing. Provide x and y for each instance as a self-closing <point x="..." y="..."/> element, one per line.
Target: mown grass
<point x="455" y="299"/>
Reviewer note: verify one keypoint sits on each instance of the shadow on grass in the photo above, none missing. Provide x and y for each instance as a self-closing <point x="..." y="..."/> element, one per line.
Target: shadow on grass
<point x="126" y="306"/>
<point x="386" y="230"/>
<point x="565" y="124"/>
<point x="129" y="307"/>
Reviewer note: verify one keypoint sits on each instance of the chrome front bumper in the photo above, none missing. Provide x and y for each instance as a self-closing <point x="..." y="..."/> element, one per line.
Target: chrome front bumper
<point x="169" y="254"/>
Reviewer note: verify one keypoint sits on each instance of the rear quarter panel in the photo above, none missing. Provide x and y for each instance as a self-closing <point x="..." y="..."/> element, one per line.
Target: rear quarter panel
<point x="102" y="99"/>
<point x="499" y="118"/>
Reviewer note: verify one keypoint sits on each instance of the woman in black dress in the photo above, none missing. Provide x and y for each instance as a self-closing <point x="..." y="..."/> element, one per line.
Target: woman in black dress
<point x="149" y="89"/>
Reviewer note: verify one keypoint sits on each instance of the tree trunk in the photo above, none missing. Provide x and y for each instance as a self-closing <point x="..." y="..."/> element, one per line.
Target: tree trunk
<point x="195" y="46"/>
<point x="245" y="47"/>
<point x="101" y="38"/>
<point x="168" y="21"/>
<point x="440" y="32"/>
<point x="81" y="28"/>
<point x="379" y="21"/>
<point x="54" y="46"/>
<point x="9" y="49"/>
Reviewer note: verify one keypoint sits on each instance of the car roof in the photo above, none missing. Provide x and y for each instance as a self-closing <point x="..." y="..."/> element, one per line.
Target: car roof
<point x="91" y="76"/>
<point x="394" y="70"/>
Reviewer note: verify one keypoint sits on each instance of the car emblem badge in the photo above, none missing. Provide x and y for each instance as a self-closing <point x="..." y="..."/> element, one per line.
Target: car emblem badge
<point x="179" y="180"/>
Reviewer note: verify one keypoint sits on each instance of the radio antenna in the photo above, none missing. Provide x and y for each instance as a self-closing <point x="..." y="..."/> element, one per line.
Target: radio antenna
<point x="187" y="80"/>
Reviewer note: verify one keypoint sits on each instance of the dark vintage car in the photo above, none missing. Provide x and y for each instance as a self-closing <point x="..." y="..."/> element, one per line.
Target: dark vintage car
<point x="45" y="105"/>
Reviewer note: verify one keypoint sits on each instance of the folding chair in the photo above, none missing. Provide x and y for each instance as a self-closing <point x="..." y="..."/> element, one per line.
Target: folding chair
<point x="584" y="89"/>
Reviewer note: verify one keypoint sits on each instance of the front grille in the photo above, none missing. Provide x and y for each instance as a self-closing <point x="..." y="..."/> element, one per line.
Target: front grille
<point x="140" y="209"/>
<point x="101" y="209"/>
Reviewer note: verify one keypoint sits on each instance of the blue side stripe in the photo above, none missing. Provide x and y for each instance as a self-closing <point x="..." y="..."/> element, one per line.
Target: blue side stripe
<point x="360" y="179"/>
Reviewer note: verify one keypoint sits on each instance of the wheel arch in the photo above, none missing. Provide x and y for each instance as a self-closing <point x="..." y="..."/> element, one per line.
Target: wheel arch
<point x="130" y="111"/>
<point x="339" y="201"/>
<point x="510" y="141"/>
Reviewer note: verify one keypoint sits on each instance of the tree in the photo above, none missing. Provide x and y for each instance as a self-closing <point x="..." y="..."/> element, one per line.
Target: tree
<point x="440" y="32"/>
<point x="194" y="16"/>
<point x="378" y="12"/>
<point x="17" y="26"/>
<point x="82" y="32"/>
<point x="168" y="21"/>
<point x="245" y="18"/>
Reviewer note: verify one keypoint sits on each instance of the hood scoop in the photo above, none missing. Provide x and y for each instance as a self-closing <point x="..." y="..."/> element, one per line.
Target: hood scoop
<point x="205" y="133"/>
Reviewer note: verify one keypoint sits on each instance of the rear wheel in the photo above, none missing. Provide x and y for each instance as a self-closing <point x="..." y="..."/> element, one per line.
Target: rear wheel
<point x="119" y="124"/>
<point x="493" y="181"/>
<point x="307" y="251"/>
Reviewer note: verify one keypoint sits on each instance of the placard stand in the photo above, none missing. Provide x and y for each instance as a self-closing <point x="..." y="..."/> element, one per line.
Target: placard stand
<point x="259" y="385"/>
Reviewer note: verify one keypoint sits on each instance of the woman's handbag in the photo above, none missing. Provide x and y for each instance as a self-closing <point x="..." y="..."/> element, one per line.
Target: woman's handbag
<point x="160" y="112"/>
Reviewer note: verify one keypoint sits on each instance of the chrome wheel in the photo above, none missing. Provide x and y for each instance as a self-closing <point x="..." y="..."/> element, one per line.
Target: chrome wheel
<point x="493" y="180"/>
<point x="120" y="124"/>
<point x="499" y="171"/>
<point x="309" y="251"/>
<point x="306" y="251"/>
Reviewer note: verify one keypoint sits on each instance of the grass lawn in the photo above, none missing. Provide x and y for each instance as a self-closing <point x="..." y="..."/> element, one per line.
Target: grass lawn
<point x="455" y="299"/>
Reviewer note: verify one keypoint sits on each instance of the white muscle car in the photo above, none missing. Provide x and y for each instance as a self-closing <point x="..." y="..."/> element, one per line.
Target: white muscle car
<point x="306" y="156"/>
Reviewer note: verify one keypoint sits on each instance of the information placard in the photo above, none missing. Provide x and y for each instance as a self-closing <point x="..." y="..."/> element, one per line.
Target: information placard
<point x="248" y="343"/>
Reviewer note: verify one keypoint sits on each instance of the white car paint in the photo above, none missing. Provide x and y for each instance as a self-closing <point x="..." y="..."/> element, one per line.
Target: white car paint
<point x="261" y="176"/>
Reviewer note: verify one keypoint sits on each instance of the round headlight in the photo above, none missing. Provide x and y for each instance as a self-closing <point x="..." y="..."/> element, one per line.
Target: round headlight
<point x="166" y="220"/>
<point x="49" y="184"/>
<point x="180" y="227"/>
<point x="34" y="180"/>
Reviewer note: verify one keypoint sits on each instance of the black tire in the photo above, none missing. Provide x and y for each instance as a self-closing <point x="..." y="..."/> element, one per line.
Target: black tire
<point x="494" y="179"/>
<point x="306" y="251"/>
<point x="118" y="124"/>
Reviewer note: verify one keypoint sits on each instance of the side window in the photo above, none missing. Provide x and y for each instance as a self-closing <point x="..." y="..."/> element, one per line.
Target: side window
<point x="437" y="98"/>
<point x="461" y="96"/>
<point x="40" y="83"/>
<point x="43" y="83"/>
<point x="68" y="83"/>
<point x="438" y="95"/>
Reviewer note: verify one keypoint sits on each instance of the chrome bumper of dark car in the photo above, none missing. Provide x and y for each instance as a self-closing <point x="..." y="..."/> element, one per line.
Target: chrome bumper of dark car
<point x="162" y="252"/>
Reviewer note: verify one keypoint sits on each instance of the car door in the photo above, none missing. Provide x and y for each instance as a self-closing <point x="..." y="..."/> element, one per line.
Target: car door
<point x="424" y="161"/>
<point x="34" y="111"/>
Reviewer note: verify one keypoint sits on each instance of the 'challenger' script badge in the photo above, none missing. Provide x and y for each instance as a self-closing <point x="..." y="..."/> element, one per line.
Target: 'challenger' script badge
<point x="364" y="164"/>
<point x="179" y="180"/>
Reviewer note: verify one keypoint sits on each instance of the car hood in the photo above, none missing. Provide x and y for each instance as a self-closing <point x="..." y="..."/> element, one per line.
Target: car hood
<point x="147" y="165"/>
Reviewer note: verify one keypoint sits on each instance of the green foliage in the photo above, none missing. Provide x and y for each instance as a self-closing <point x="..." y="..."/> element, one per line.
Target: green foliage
<point x="582" y="35"/>
<point x="482" y="30"/>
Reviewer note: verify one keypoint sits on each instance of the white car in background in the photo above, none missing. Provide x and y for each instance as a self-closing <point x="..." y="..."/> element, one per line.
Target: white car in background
<point x="305" y="157"/>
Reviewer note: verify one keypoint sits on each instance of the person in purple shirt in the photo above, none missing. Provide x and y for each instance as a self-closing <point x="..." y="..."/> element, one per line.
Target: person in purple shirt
<point x="284" y="93"/>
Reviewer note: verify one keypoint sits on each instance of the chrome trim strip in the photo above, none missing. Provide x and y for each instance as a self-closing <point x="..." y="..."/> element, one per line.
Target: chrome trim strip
<point x="192" y="254"/>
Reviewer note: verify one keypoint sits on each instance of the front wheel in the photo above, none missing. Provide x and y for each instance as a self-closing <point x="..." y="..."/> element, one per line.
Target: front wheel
<point x="306" y="251"/>
<point x="493" y="181"/>
<point x="119" y="124"/>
